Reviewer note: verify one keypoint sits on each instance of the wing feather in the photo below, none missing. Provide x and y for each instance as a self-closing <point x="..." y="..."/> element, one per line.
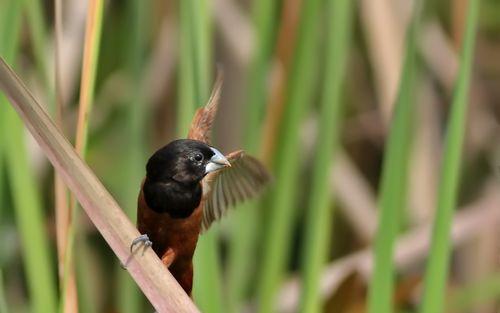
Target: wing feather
<point x="227" y="187"/>
<point x="201" y="126"/>
<point x="243" y="183"/>
<point x="229" y="180"/>
<point x="232" y="185"/>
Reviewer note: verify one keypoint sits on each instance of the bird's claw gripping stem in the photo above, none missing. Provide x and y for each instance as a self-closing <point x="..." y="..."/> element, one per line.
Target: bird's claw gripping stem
<point x="144" y="239"/>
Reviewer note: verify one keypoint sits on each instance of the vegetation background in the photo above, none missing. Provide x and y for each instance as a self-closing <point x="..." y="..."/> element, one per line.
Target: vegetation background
<point x="378" y="119"/>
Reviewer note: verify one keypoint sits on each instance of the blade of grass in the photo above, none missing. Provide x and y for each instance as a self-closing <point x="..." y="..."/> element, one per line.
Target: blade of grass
<point x="196" y="56"/>
<point x="245" y="220"/>
<point x="85" y="270"/>
<point x="154" y="280"/>
<point x="202" y="31"/>
<point x="315" y="247"/>
<point x="3" y="200"/>
<point x="38" y="31"/>
<point x="3" y="302"/>
<point x="437" y="267"/>
<point x="29" y="216"/>
<point x="27" y="204"/>
<point x="207" y="285"/>
<point x="187" y="99"/>
<point x="392" y="196"/>
<point x="128" y="297"/>
<point x="282" y="211"/>
<point x="264" y="19"/>
<point x="4" y="6"/>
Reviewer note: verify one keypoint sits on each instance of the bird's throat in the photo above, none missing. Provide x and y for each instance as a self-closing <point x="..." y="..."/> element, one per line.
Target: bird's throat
<point x="171" y="197"/>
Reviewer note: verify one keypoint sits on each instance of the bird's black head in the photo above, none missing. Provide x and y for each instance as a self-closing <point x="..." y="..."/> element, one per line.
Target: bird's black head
<point x="184" y="161"/>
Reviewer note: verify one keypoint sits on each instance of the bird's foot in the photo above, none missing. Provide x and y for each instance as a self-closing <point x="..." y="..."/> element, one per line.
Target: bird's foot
<point x="142" y="239"/>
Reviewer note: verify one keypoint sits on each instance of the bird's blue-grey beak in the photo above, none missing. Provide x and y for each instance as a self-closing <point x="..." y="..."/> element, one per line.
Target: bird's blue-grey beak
<point x="216" y="162"/>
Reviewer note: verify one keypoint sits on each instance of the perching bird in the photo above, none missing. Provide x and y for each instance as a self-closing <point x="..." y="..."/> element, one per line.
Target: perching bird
<point x="189" y="185"/>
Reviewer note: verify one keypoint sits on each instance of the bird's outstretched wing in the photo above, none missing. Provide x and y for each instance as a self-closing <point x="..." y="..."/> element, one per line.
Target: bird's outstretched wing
<point x="225" y="188"/>
<point x="201" y="126"/>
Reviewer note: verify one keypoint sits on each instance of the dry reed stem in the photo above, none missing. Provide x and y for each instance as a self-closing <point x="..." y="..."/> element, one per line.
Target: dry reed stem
<point x="71" y="46"/>
<point x="439" y="54"/>
<point x="87" y="82"/>
<point x="458" y="13"/>
<point x="426" y="154"/>
<point x="351" y="189"/>
<point x="385" y="42"/>
<point x="359" y="204"/>
<point x="286" y="41"/>
<point x="61" y="207"/>
<point x="235" y="28"/>
<point x="161" y="67"/>
<point x="153" y="278"/>
<point x="88" y="77"/>
<point x="67" y="279"/>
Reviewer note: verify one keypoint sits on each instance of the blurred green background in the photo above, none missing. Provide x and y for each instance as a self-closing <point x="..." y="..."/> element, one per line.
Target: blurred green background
<point x="378" y="120"/>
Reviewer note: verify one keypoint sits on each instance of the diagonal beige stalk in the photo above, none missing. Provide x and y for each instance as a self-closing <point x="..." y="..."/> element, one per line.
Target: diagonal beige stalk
<point x="155" y="281"/>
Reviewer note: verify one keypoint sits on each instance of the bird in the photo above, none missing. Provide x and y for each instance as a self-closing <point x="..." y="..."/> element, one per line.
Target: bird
<point x="189" y="185"/>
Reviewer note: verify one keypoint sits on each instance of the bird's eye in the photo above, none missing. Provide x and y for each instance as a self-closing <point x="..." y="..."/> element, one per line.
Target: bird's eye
<point x="198" y="157"/>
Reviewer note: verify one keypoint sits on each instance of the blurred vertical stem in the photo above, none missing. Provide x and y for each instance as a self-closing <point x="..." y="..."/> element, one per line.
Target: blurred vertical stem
<point x="282" y="210"/>
<point x="38" y="30"/>
<point x="245" y="222"/>
<point x="187" y="98"/>
<point x="29" y="214"/>
<point x="202" y="44"/>
<point x="3" y="200"/>
<point x="393" y="190"/>
<point x="129" y="299"/>
<point x="68" y="299"/>
<point x="3" y="302"/>
<point x="196" y="58"/>
<point x="264" y="12"/>
<point x="87" y="88"/>
<point x="438" y="263"/>
<point x="316" y="243"/>
<point x="85" y="265"/>
<point x="89" y="70"/>
<point x="4" y="6"/>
